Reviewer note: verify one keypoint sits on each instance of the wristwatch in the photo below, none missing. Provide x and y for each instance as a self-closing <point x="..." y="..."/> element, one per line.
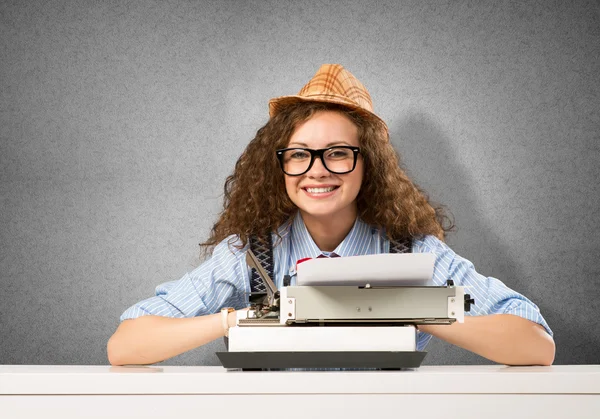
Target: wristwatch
<point x="225" y="318"/>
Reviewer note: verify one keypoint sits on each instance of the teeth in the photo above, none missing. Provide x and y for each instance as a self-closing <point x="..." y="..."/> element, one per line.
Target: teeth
<point x="320" y="190"/>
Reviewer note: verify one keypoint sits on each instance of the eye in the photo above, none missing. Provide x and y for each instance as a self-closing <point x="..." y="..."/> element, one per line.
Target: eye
<point x="338" y="153"/>
<point x="297" y="154"/>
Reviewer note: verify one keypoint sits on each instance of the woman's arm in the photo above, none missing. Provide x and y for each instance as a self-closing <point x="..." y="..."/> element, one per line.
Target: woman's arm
<point x="503" y="326"/>
<point x="151" y="339"/>
<point x="179" y="317"/>
<point x="503" y="338"/>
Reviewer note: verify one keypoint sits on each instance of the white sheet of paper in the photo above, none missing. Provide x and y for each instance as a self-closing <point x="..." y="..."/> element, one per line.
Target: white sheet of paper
<point x="388" y="269"/>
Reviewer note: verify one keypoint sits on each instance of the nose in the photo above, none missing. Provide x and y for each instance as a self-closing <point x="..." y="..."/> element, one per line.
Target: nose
<point x="318" y="169"/>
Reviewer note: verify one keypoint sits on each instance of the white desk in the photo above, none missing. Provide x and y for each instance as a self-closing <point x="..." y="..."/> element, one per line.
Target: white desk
<point x="212" y="392"/>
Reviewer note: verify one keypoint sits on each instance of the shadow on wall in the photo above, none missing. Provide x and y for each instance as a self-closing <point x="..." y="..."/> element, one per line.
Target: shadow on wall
<point x="432" y="161"/>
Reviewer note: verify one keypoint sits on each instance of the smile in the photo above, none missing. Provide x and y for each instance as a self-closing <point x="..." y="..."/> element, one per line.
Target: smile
<point x="320" y="190"/>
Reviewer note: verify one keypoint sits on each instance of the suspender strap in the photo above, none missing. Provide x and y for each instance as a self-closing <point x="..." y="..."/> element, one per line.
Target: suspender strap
<point x="262" y="247"/>
<point x="401" y="246"/>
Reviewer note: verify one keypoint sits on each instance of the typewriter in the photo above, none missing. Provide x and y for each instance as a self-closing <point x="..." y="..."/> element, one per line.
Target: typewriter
<point x="359" y="312"/>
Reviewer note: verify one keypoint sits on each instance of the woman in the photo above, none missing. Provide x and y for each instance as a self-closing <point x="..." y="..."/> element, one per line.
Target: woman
<point x="322" y="177"/>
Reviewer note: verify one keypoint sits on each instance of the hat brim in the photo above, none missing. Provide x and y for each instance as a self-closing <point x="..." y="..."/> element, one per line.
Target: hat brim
<point x="277" y="104"/>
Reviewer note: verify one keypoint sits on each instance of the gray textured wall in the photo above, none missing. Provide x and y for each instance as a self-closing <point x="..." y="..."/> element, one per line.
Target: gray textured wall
<point x="120" y="120"/>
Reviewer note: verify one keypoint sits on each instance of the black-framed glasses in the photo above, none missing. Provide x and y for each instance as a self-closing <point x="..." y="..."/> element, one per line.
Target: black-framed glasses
<point x="297" y="161"/>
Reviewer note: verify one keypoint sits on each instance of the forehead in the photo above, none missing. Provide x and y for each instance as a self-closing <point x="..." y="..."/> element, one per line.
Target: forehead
<point x="324" y="129"/>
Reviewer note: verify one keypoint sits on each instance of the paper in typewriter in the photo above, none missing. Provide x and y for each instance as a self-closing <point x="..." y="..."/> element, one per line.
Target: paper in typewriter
<point x="377" y="270"/>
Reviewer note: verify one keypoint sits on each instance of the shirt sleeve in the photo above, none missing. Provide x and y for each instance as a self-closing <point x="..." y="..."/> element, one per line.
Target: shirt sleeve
<point x="221" y="281"/>
<point x="491" y="295"/>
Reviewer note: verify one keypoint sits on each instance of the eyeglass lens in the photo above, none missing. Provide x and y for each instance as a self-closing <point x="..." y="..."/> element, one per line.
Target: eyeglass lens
<point x="339" y="160"/>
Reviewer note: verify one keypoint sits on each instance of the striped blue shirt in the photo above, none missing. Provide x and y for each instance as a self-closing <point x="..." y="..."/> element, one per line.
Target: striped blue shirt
<point x="224" y="279"/>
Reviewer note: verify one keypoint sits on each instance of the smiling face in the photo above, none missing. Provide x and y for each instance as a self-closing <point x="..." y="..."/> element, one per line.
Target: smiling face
<point x="320" y="194"/>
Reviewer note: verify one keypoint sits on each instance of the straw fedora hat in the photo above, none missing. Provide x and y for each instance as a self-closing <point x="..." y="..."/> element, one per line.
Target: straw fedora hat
<point x="332" y="84"/>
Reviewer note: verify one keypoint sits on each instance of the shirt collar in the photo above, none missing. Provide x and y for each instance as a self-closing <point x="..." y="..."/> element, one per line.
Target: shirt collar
<point x="357" y="242"/>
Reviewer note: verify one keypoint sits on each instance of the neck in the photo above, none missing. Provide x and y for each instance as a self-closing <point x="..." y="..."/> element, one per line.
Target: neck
<point x="328" y="232"/>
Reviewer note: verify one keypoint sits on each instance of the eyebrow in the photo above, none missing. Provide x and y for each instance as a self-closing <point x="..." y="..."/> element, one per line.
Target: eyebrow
<point x="326" y="146"/>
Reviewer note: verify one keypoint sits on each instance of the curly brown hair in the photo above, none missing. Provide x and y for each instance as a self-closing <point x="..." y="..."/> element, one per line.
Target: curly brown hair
<point x="256" y="201"/>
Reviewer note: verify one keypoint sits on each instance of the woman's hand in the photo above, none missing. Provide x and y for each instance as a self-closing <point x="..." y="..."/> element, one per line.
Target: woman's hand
<point x="502" y="338"/>
<point x="151" y="339"/>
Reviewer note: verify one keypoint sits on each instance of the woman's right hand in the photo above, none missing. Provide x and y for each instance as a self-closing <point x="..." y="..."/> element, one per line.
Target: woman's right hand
<point x="151" y="339"/>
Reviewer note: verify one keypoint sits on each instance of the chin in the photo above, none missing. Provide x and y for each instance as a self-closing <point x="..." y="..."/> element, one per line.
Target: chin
<point x="323" y="211"/>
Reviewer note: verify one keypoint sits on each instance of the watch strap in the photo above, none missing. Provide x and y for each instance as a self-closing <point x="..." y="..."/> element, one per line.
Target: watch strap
<point x="225" y="319"/>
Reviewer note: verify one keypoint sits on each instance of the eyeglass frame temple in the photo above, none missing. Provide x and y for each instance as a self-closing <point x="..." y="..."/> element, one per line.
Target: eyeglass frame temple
<point x="318" y="153"/>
